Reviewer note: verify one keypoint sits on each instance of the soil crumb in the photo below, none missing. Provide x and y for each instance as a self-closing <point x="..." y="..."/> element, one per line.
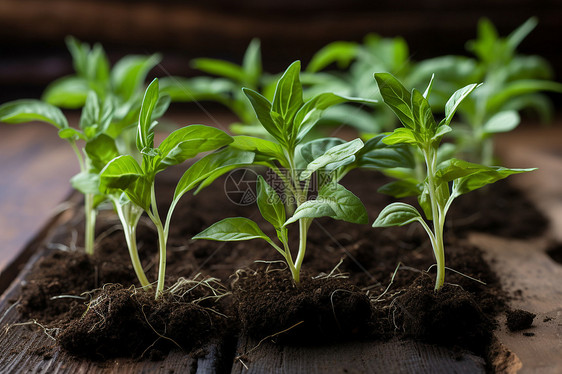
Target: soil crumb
<point x="518" y="319"/>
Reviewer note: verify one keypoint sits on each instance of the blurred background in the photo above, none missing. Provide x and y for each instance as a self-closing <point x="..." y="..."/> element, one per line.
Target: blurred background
<point x="33" y="31"/>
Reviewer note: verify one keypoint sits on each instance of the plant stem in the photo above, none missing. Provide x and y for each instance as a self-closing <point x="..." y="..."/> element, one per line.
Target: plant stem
<point x="438" y="218"/>
<point x="162" y="239"/>
<point x="129" y="220"/>
<point x="90" y="224"/>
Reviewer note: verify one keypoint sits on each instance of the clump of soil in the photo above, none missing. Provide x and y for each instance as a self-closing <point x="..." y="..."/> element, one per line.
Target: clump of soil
<point x="317" y="310"/>
<point x="130" y="322"/>
<point x="519" y="319"/>
<point x="449" y="316"/>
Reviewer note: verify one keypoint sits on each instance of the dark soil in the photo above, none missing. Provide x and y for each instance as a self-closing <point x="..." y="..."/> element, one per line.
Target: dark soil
<point x="555" y="252"/>
<point x="365" y="296"/>
<point x="518" y="319"/>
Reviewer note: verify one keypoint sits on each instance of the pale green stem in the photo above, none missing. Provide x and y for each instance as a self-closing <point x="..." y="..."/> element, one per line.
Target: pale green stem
<point x="438" y="218"/>
<point x="162" y="239"/>
<point x="129" y="221"/>
<point x="90" y="223"/>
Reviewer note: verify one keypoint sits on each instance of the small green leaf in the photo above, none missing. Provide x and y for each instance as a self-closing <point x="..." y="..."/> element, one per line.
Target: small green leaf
<point x="129" y="73"/>
<point x="423" y="116"/>
<point x="396" y="97"/>
<point x="219" y="67"/>
<point x="270" y="205"/>
<point x="252" y="62"/>
<point x="86" y="183"/>
<point x="378" y="155"/>
<point x="397" y="214"/>
<point x="101" y="150"/>
<point x="288" y="97"/>
<point x="259" y="146"/>
<point x="517" y="88"/>
<point x="262" y="108"/>
<point x="401" y="135"/>
<point x="401" y="188"/>
<point x="211" y="167"/>
<point x="309" y="114"/>
<point x="28" y="110"/>
<point x="124" y="173"/>
<point x="333" y="201"/>
<point x="308" y="152"/>
<point x="502" y="122"/>
<point x="187" y="142"/>
<point x="233" y="229"/>
<point x="90" y="112"/>
<point x="486" y="175"/>
<point x="145" y="135"/>
<point x="333" y="158"/>
<point x="454" y="101"/>
<point x="341" y="53"/>
<point x="67" y="92"/>
<point x="71" y="133"/>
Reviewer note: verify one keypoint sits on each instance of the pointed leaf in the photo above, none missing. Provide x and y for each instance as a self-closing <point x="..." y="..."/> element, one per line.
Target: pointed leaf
<point x="187" y="142"/>
<point x="145" y="135"/>
<point x="259" y="146"/>
<point x="333" y="158"/>
<point x="483" y="177"/>
<point x="129" y="73"/>
<point x="288" y="97"/>
<point x="333" y="201"/>
<point x="233" y="229"/>
<point x="124" y="174"/>
<point x="502" y="122"/>
<point x="219" y="67"/>
<point x="28" y="110"/>
<point x="67" y="92"/>
<point x="341" y="53"/>
<point x="262" y="108"/>
<point x="252" y="62"/>
<point x="455" y="100"/>
<point x="396" y="97"/>
<point x="270" y="205"/>
<point x="397" y="214"/>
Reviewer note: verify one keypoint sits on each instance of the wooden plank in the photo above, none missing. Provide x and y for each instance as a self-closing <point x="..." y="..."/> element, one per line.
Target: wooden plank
<point x="394" y="356"/>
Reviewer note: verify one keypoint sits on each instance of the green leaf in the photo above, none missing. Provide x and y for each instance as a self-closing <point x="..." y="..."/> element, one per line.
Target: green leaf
<point x="90" y="112"/>
<point x="270" y="205"/>
<point x="27" y="110"/>
<point x="520" y="87"/>
<point x="309" y="114"/>
<point x="252" y="62"/>
<point x="67" y="92"/>
<point x="101" y="150"/>
<point x="516" y="36"/>
<point x="145" y="135"/>
<point x="308" y="152"/>
<point x="86" y="183"/>
<point x="129" y="73"/>
<point x="501" y="122"/>
<point x="187" y="142"/>
<point x="198" y="89"/>
<point x="71" y="133"/>
<point x="401" y="135"/>
<point x="378" y="155"/>
<point x="262" y="108"/>
<point x="219" y="67"/>
<point x="233" y="229"/>
<point x="341" y="53"/>
<point x="211" y="167"/>
<point x="423" y="116"/>
<point x="259" y="146"/>
<point x="333" y="158"/>
<point x="401" y="188"/>
<point x="288" y="98"/>
<point x="396" y="97"/>
<point x="334" y="201"/>
<point x="482" y="177"/>
<point x="455" y="100"/>
<point x="124" y="173"/>
<point x="454" y="168"/>
<point x="397" y="214"/>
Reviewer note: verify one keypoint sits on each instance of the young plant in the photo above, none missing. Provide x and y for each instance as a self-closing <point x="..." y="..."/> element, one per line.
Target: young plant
<point x="132" y="186"/>
<point x="444" y="180"/>
<point x="288" y="119"/>
<point x="512" y="83"/>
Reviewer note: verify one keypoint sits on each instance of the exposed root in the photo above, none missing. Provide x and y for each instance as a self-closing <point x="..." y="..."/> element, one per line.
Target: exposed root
<point x="333" y="274"/>
<point x="459" y="273"/>
<point x="244" y="355"/>
<point x="50" y="332"/>
<point x="211" y="289"/>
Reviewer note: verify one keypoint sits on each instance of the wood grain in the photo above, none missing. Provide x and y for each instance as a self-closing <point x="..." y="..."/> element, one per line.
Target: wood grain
<point x="394" y="356"/>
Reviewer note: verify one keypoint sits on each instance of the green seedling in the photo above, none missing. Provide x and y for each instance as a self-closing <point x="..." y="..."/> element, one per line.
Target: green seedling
<point x="294" y="162"/>
<point x="132" y="186"/>
<point x="512" y="83"/>
<point x="445" y="180"/>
